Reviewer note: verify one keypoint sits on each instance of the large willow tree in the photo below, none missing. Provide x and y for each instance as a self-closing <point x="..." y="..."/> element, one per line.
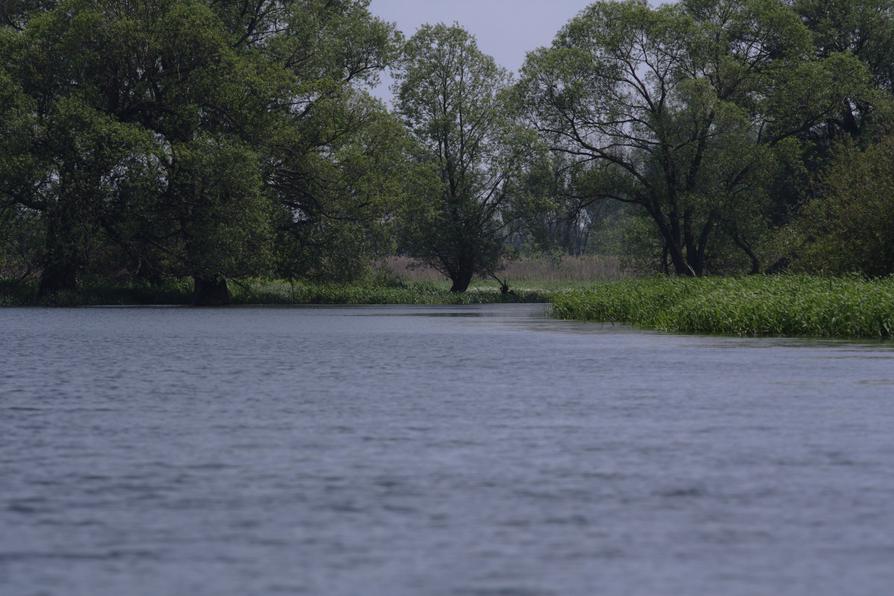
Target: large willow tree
<point x="685" y="110"/>
<point x="451" y="98"/>
<point x="177" y="137"/>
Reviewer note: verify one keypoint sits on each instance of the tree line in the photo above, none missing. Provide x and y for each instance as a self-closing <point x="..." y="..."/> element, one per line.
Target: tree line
<point x="142" y="140"/>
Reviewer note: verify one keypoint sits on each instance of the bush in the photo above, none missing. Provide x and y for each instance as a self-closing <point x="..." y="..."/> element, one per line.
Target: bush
<point x="850" y="228"/>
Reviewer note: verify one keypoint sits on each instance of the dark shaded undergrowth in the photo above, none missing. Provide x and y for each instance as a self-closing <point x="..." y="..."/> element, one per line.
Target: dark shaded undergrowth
<point x="264" y="292"/>
<point x="780" y="306"/>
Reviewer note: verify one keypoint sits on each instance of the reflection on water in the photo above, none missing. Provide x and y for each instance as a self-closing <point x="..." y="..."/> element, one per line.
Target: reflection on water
<point x="449" y="450"/>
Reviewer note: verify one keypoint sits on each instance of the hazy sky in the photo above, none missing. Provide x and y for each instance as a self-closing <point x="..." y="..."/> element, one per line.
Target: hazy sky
<point x="506" y="29"/>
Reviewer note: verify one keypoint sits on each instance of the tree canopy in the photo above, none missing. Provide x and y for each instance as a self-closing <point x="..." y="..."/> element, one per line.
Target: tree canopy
<point x="146" y="140"/>
<point x="682" y="109"/>
<point x="174" y="130"/>
<point x="452" y="99"/>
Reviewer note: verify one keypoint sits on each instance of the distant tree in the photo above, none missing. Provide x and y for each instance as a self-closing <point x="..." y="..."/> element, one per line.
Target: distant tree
<point x="556" y="208"/>
<point x="450" y="96"/>
<point x="682" y="108"/>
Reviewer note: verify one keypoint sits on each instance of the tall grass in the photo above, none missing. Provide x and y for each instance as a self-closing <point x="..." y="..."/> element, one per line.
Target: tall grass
<point x="794" y="306"/>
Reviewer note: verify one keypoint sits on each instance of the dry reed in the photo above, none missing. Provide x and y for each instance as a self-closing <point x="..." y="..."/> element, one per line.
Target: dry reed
<point x="526" y="270"/>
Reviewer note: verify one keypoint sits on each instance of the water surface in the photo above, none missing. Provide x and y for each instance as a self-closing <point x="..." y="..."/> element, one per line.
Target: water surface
<point x="444" y="451"/>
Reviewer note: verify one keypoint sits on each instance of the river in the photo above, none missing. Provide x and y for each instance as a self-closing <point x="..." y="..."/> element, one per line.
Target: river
<point x="445" y="451"/>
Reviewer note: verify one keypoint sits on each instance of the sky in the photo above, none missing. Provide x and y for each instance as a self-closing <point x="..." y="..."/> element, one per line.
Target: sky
<point x="506" y="29"/>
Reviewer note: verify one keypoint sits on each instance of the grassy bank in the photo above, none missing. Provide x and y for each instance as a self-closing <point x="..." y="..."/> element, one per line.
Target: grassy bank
<point x="267" y="292"/>
<point x="279" y="292"/>
<point x="792" y="306"/>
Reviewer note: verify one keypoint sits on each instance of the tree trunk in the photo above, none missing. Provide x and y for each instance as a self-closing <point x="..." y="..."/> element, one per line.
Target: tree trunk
<point x="779" y="267"/>
<point x="665" y="263"/>
<point x="755" y="262"/>
<point x="148" y="273"/>
<point x="60" y="270"/>
<point x="210" y="291"/>
<point x="461" y="279"/>
<point x="679" y="260"/>
<point x="746" y="248"/>
<point x="672" y="236"/>
<point x="59" y="275"/>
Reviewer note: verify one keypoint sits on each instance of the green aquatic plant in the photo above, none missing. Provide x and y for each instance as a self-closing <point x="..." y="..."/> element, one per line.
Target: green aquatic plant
<point x="797" y="306"/>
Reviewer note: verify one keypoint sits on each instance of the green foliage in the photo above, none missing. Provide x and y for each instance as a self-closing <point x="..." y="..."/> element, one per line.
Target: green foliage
<point x="338" y="199"/>
<point x="554" y="205"/>
<point x="171" y="137"/>
<point x="21" y="238"/>
<point x="99" y="292"/>
<point x="862" y="27"/>
<point x="850" y="226"/>
<point x="752" y="306"/>
<point x="451" y="98"/>
<point x="338" y="161"/>
<point x="679" y="109"/>
<point x="148" y="140"/>
<point x="223" y="210"/>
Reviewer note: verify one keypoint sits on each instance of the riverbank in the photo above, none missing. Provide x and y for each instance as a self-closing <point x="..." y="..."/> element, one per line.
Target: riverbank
<point x="781" y="306"/>
<point x="271" y="292"/>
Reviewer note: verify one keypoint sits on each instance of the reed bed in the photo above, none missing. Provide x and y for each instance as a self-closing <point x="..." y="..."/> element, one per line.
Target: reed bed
<point x="525" y="271"/>
<point x="274" y="292"/>
<point x="782" y="306"/>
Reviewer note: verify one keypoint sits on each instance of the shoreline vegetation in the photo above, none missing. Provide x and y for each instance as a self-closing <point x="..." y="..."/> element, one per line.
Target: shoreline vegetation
<point x="756" y="306"/>
<point x="264" y="292"/>
<point x="208" y="152"/>
<point x="203" y="154"/>
<point x="394" y="280"/>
